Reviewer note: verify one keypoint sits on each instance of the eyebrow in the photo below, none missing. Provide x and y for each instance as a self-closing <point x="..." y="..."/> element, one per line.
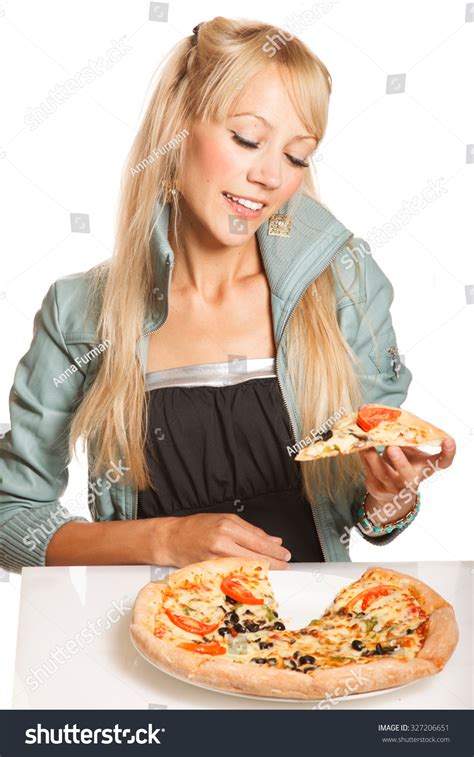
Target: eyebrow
<point x="267" y="123"/>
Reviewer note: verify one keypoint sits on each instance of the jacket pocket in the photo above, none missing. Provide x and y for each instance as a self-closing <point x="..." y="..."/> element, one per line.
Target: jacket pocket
<point x="349" y="274"/>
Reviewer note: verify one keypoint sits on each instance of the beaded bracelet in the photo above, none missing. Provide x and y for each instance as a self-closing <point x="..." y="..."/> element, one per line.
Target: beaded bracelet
<point x="388" y="527"/>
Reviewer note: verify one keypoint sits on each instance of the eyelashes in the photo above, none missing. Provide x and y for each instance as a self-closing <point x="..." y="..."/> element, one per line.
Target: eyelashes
<point x="249" y="145"/>
<point x="244" y="142"/>
<point x="296" y="161"/>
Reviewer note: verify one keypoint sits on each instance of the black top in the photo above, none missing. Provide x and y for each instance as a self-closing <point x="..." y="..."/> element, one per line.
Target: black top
<point x="215" y="449"/>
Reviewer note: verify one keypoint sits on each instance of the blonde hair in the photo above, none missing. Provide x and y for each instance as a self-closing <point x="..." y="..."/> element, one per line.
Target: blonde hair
<point x="201" y="79"/>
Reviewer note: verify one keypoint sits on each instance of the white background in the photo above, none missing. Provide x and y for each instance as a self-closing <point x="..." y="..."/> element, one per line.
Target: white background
<point x="380" y="152"/>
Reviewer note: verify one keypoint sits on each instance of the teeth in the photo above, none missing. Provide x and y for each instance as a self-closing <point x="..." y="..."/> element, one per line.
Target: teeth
<point x="246" y="203"/>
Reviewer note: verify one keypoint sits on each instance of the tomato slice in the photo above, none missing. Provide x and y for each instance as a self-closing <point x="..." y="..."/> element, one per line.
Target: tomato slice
<point x="214" y="648"/>
<point x="370" y="416"/>
<point x="233" y="588"/>
<point x="373" y="594"/>
<point x="370" y="595"/>
<point x="191" y="625"/>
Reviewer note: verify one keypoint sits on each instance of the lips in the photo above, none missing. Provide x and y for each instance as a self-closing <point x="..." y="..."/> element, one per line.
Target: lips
<point x="247" y="202"/>
<point x="247" y="207"/>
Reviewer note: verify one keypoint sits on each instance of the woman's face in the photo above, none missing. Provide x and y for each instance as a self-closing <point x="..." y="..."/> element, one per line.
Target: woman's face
<point x="239" y="173"/>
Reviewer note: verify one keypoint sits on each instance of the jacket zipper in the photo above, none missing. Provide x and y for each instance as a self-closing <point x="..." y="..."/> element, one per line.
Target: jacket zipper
<point x="317" y="524"/>
<point x="152" y="331"/>
<point x="395" y="360"/>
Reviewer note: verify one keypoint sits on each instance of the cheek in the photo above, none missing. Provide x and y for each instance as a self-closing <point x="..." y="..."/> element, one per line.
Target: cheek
<point x="292" y="184"/>
<point x="213" y="161"/>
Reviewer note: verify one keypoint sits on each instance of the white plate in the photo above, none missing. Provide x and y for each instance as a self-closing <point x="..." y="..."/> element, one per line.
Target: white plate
<point x="301" y="596"/>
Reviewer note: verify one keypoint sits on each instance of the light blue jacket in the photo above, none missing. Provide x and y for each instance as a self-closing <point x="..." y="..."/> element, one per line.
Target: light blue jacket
<point x="33" y="454"/>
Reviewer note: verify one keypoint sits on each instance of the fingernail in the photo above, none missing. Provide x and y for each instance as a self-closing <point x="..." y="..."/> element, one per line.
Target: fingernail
<point x="276" y="538"/>
<point x="449" y="444"/>
<point x="394" y="452"/>
<point x="288" y="556"/>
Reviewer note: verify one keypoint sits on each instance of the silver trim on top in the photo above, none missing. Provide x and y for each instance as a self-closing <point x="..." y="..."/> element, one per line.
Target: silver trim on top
<point x="212" y="374"/>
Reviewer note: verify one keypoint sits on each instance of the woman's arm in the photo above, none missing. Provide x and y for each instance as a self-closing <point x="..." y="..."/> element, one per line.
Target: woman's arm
<point x="174" y="541"/>
<point x="119" y="542"/>
<point x="34" y="453"/>
<point x="367" y="327"/>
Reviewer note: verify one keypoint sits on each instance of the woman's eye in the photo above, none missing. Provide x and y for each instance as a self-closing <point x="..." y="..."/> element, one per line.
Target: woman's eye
<point x="297" y="161"/>
<point x="253" y="145"/>
<point x="244" y="142"/>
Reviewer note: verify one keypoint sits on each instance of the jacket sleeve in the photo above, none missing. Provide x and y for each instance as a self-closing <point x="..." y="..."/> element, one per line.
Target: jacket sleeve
<point x="34" y="453"/>
<point x="367" y="326"/>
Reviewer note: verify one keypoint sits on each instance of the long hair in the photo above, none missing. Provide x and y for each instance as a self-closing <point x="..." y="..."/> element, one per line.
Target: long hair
<point x="201" y="79"/>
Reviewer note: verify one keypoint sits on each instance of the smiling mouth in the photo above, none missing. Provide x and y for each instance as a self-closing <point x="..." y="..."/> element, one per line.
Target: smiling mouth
<point x="246" y="203"/>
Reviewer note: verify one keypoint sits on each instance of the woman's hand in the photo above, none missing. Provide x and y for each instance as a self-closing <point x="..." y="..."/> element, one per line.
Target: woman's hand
<point x="393" y="478"/>
<point x="193" y="538"/>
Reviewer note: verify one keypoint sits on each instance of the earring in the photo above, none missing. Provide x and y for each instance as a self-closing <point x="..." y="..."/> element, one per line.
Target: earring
<point x="169" y="190"/>
<point x="279" y="225"/>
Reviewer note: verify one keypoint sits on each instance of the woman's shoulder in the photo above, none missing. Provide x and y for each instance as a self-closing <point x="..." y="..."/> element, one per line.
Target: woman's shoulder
<point x="76" y="299"/>
<point x="358" y="276"/>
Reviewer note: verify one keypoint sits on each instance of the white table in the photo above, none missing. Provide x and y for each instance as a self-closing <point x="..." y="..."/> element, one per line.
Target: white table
<point x="74" y="650"/>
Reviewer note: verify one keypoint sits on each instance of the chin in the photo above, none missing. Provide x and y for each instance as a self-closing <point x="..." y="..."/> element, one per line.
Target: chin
<point x="223" y="238"/>
<point x="230" y="232"/>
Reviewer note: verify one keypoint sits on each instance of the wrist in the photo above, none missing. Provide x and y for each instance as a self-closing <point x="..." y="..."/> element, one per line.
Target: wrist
<point x="161" y="541"/>
<point x="384" y="511"/>
<point x="383" y="518"/>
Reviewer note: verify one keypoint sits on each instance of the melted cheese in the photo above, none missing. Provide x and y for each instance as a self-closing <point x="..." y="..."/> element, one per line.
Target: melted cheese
<point x="385" y="621"/>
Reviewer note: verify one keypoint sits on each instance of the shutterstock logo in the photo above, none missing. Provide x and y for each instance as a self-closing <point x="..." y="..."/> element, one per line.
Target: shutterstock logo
<point x="72" y="734"/>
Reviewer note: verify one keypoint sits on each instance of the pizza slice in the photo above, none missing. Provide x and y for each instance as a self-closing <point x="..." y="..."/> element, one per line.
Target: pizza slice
<point x="204" y="607"/>
<point x="372" y="426"/>
<point x="379" y="614"/>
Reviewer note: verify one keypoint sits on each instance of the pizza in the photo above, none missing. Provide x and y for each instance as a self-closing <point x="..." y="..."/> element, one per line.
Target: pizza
<point x="216" y="623"/>
<point x="371" y="426"/>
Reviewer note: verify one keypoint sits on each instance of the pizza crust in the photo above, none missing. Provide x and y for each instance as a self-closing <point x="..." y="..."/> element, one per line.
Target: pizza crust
<point x="168" y="656"/>
<point x="382" y="673"/>
<point x="433" y="432"/>
<point x="244" y="678"/>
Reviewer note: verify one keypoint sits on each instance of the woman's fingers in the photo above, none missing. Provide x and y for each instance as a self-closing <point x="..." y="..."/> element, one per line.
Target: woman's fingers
<point x="260" y="543"/>
<point x="399" y="466"/>
<point x="444" y="458"/>
<point x="434" y="462"/>
<point x="253" y="538"/>
<point x="206" y="535"/>
<point x="255" y="529"/>
<point x="378" y="469"/>
<point x="402" y="466"/>
<point x="232" y="549"/>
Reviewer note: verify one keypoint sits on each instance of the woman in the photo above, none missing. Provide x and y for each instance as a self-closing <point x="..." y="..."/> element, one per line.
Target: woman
<point x="236" y="316"/>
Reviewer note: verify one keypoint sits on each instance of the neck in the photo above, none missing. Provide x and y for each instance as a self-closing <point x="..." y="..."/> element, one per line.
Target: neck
<point x="203" y="263"/>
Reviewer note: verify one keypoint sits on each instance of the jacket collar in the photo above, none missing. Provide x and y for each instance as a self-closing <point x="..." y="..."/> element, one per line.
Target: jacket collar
<point x="290" y="263"/>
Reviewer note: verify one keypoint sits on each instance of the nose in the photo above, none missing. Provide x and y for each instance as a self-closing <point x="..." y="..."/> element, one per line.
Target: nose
<point x="266" y="170"/>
